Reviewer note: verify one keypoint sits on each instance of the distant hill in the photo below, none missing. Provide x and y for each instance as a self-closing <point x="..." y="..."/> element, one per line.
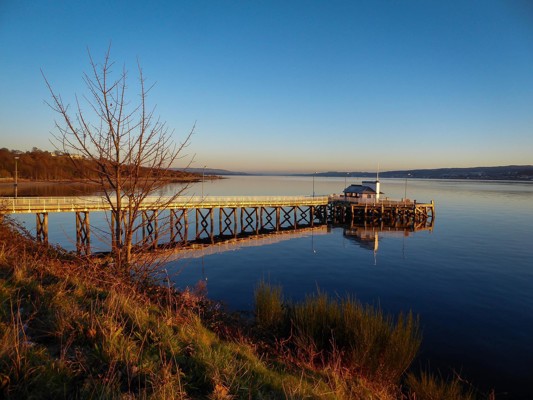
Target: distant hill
<point x="510" y="172"/>
<point x="40" y="165"/>
<point x="211" y="171"/>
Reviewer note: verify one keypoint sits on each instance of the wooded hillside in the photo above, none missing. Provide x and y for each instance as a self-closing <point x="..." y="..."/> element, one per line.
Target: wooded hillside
<point x="49" y="166"/>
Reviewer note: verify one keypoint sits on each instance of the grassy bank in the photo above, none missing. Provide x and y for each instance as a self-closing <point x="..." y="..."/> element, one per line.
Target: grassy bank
<point x="70" y="329"/>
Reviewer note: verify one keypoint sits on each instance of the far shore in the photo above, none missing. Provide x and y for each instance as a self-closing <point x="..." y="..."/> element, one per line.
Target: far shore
<point x="7" y="185"/>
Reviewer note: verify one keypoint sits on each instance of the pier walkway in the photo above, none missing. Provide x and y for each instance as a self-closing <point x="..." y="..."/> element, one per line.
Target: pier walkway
<point x="237" y="215"/>
<point x="30" y="205"/>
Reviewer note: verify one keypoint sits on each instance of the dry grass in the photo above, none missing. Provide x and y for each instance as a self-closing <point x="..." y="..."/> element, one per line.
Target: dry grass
<point x="428" y="386"/>
<point x="71" y="328"/>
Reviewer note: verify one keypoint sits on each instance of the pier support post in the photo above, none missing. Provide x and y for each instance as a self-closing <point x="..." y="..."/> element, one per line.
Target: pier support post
<point x="83" y="233"/>
<point x="179" y="226"/>
<point x="42" y="227"/>
<point x="212" y="225"/>
<point x="150" y="230"/>
<point x="114" y="228"/>
<point x="305" y="217"/>
<point x="202" y="223"/>
<point x="285" y="217"/>
<point x="225" y="222"/>
<point x="247" y="220"/>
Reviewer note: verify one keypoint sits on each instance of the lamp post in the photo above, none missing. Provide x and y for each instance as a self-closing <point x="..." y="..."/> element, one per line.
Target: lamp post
<point x="203" y="174"/>
<point x="16" y="177"/>
<point x="405" y="190"/>
<point x="314" y="184"/>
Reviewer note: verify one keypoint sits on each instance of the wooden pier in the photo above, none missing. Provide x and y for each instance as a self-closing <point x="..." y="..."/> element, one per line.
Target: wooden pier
<point x="342" y="210"/>
<point x="235" y="216"/>
<point x="218" y="218"/>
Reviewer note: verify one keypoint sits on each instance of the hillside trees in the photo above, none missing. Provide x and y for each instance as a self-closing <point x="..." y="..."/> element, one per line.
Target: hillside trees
<point x="114" y="129"/>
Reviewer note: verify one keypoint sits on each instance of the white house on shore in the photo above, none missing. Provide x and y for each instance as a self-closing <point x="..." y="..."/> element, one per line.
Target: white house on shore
<point x="367" y="192"/>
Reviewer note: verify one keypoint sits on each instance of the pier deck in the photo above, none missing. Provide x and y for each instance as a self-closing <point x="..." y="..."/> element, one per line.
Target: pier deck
<point x="236" y="215"/>
<point x="31" y="205"/>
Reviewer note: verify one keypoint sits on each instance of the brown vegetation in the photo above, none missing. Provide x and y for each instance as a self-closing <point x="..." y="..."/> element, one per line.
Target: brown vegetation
<point x="72" y="329"/>
<point x="40" y="165"/>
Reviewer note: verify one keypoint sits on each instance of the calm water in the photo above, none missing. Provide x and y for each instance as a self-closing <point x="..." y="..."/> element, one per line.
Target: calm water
<point x="470" y="278"/>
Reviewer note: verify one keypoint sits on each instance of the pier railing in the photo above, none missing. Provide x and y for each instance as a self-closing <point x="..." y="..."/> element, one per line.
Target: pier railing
<point x="24" y="205"/>
<point x="374" y="202"/>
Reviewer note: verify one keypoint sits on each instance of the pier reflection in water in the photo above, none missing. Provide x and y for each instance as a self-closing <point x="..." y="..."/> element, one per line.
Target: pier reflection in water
<point x="364" y="234"/>
<point x="198" y="250"/>
<point x="367" y="235"/>
<point x="48" y="189"/>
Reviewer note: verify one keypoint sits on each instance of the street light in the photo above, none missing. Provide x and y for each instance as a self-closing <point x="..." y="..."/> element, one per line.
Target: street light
<point x="203" y="174"/>
<point x="16" y="176"/>
<point x="314" y="184"/>
<point x="405" y="191"/>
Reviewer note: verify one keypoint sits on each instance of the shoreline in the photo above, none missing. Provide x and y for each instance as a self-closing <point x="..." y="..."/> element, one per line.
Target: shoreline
<point x="7" y="186"/>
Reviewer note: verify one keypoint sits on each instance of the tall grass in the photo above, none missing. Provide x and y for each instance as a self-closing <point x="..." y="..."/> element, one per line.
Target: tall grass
<point x="428" y="386"/>
<point x="324" y="330"/>
<point x="69" y="329"/>
<point x="268" y="306"/>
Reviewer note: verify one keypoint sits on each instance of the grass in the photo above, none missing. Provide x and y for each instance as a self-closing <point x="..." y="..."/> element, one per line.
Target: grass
<point x="428" y="386"/>
<point x="327" y="331"/>
<point x="367" y="351"/>
<point x="73" y="329"/>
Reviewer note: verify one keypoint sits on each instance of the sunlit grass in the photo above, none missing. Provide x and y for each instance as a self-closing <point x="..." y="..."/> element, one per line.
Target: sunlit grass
<point x="342" y="333"/>
<point x="428" y="386"/>
<point x="269" y="311"/>
<point x="70" y="329"/>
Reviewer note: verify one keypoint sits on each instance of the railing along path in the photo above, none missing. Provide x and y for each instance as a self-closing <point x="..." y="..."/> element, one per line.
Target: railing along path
<point x="26" y="205"/>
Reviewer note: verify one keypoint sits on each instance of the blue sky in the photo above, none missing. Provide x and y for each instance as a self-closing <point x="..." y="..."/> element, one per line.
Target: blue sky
<point x="291" y="85"/>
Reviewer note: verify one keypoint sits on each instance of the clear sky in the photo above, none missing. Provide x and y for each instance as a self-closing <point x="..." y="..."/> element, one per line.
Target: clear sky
<point x="292" y="85"/>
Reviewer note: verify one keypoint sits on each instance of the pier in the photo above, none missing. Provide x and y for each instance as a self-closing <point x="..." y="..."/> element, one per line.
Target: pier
<point x="346" y="210"/>
<point x="219" y="218"/>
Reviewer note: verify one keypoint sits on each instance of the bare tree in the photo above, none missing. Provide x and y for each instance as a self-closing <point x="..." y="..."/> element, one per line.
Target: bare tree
<point x="124" y="148"/>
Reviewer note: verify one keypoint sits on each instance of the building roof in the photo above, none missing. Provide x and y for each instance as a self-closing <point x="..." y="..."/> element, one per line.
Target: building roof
<point x="359" y="189"/>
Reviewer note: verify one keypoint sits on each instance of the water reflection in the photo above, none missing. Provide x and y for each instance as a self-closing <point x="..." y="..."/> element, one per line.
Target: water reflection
<point x="198" y="250"/>
<point x="45" y="189"/>
<point x="367" y="235"/>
